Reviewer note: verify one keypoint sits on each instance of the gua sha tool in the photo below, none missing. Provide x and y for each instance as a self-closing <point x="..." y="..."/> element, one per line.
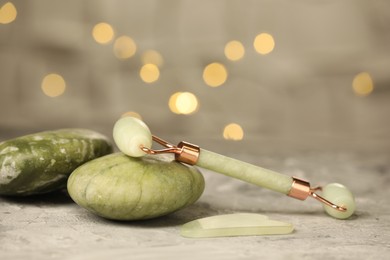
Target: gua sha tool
<point x="134" y="138"/>
<point x="238" y="224"/>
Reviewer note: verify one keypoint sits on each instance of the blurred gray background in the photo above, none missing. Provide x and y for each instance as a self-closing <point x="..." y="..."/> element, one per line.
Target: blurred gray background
<point x="298" y="95"/>
<point x="317" y="107"/>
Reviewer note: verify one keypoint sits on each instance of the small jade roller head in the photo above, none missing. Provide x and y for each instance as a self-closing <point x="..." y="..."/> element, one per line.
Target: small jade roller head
<point x="339" y="195"/>
<point x="133" y="138"/>
<point x="130" y="135"/>
<point x="336" y="199"/>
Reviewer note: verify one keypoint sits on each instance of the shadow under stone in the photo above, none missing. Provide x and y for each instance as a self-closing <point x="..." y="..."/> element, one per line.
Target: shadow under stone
<point x="59" y="197"/>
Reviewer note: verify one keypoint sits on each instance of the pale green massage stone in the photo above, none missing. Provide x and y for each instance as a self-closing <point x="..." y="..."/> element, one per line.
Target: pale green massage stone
<point x="238" y="224"/>
<point x="120" y="187"/>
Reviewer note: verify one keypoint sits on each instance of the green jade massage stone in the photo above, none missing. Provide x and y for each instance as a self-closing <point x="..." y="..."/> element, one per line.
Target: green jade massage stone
<point x="42" y="162"/>
<point x="120" y="187"/>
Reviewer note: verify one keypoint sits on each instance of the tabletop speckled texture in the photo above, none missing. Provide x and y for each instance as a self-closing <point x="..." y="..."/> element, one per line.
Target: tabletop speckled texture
<point x="53" y="227"/>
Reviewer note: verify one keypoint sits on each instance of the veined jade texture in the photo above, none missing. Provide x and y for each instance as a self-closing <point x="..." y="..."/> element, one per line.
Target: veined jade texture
<point x="42" y="162"/>
<point x="124" y="188"/>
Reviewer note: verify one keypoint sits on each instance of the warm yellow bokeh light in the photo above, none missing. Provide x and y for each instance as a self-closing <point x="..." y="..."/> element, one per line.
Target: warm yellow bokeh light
<point x="186" y="103"/>
<point x="124" y="47"/>
<point x="132" y="114"/>
<point x="215" y="74"/>
<point x="152" y="57"/>
<point x="233" y="132"/>
<point x="362" y="84"/>
<point x="234" y="50"/>
<point x="264" y="43"/>
<point x="8" y="13"/>
<point x="172" y="103"/>
<point x="103" y="33"/>
<point x="183" y="103"/>
<point x="53" y="85"/>
<point x="149" y="73"/>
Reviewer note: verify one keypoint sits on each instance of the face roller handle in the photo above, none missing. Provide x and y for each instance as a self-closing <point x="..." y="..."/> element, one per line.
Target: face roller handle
<point x="133" y="136"/>
<point x="294" y="187"/>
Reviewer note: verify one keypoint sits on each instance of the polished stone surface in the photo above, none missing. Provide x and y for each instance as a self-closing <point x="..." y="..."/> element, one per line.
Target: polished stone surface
<point x="53" y="227"/>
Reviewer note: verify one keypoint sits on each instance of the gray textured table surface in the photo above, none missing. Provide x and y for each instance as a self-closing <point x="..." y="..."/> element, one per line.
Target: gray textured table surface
<point x="53" y="227"/>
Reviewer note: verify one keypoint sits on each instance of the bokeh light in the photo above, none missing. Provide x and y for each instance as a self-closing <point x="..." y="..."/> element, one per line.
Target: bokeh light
<point x="215" y="74"/>
<point x="8" y="13"/>
<point x="103" y="33"/>
<point x="362" y="84"/>
<point x="124" y="47"/>
<point x="264" y="43"/>
<point x="234" y="50"/>
<point x="152" y="57"/>
<point x="172" y="103"/>
<point x="183" y="103"/>
<point x="149" y="73"/>
<point x="131" y="114"/>
<point x="234" y="132"/>
<point x="53" y="85"/>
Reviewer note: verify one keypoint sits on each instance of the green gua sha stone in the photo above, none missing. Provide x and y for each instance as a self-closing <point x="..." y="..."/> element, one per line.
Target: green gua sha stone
<point x="125" y="188"/>
<point x="239" y="224"/>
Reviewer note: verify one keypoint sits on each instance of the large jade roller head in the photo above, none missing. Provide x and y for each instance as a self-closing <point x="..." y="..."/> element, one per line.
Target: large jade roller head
<point x="134" y="138"/>
<point x="130" y="134"/>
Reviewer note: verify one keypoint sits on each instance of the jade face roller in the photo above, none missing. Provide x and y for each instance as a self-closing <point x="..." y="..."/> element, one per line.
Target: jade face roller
<point x="134" y="138"/>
